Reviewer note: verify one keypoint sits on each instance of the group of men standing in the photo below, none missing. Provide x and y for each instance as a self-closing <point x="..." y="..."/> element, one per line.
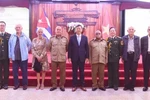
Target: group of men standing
<point x="98" y="52"/>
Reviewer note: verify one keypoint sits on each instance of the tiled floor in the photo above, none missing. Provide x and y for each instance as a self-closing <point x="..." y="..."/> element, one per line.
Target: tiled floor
<point x="32" y="94"/>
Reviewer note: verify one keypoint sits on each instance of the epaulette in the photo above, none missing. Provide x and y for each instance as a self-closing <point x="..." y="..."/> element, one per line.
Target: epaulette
<point x="104" y="40"/>
<point x="63" y="37"/>
<point x="53" y="36"/>
<point x="118" y="37"/>
<point x="107" y="38"/>
<point x="93" y="39"/>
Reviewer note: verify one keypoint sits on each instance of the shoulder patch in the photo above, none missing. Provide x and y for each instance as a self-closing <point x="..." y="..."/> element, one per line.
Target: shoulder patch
<point x="107" y="39"/>
<point x="104" y="40"/>
<point x="121" y="42"/>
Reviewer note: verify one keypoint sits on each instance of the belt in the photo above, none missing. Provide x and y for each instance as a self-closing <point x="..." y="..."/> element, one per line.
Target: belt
<point x="130" y="52"/>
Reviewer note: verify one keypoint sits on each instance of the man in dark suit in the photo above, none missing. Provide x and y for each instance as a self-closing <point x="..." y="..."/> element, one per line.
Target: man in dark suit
<point x="145" y="51"/>
<point x="4" y="59"/>
<point x="78" y="54"/>
<point x="131" y="55"/>
<point x="114" y="53"/>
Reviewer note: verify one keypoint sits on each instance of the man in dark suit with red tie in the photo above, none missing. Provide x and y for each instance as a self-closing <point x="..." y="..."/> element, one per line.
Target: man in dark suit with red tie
<point x="145" y="50"/>
<point x="78" y="54"/>
<point x="4" y="60"/>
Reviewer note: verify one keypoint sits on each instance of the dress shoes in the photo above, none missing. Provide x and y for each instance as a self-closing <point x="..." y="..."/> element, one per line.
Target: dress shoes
<point x="62" y="88"/>
<point x="53" y="88"/>
<point x="132" y="89"/>
<point x="94" y="88"/>
<point x="1" y="87"/>
<point x="115" y="88"/>
<point x="5" y="87"/>
<point x="125" y="88"/>
<point x="83" y="88"/>
<point x="74" y="89"/>
<point x="102" y="88"/>
<point x="24" y="87"/>
<point x="16" y="87"/>
<point x="108" y="87"/>
<point x="145" y="88"/>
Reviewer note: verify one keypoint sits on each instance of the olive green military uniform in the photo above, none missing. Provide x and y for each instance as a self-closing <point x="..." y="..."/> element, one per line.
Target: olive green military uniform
<point x="114" y="54"/>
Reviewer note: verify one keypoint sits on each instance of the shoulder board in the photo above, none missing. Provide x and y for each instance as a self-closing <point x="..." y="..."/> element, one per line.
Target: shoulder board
<point x="118" y="37"/>
<point x="107" y="39"/>
<point x="104" y="40"/>
<point x="93" y="40"/>
<point x="63" y="37"/>
<point x="52" y="36"/>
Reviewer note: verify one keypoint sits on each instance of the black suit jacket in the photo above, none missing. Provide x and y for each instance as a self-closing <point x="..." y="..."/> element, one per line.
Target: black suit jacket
<point x="144" y="48"/>
<point x="136" y="48"/>
<point x="75" y="51"/>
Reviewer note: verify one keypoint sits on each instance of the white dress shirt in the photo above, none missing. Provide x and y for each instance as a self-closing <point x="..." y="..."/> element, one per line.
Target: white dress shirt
<point x="130" y="44"/>
<point x="78" y="38"/>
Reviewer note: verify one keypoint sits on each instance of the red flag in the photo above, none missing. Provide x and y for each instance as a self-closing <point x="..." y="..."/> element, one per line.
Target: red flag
<point x="106" y="20"/>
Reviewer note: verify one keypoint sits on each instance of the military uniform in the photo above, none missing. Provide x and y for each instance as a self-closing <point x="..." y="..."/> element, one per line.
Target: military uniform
<point x="4" y="59"/>
<point x="98" y="53"/>
<point x="58" y="47"/>
<point x="114" y="53"/>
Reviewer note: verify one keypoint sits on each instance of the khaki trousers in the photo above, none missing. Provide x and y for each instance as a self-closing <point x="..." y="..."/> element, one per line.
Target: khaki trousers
<point x="62" y="70"/>
<point x="98" y="69"/>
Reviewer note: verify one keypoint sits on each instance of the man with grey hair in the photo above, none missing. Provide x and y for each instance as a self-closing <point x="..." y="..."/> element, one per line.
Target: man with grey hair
<point x="98" y="54"/>
<point x="131" y="56"/>
<point x="58" y="47"/>
<point x="19" y="45"/>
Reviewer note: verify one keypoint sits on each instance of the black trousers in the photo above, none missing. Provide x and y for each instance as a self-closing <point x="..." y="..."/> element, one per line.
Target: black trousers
<point x="113" y="74"/>
<point x="146" y="70"/>
<point x="130" y="69"/>
<point x="4" y="72"/>
<point x="75" y="66"/>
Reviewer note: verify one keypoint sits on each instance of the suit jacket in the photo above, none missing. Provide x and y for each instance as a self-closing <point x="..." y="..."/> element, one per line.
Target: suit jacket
<point x="4" y="46"/>
<point x="136" y="48"/>
<point x="75" y="51"/>
<point x="144" y="48"/>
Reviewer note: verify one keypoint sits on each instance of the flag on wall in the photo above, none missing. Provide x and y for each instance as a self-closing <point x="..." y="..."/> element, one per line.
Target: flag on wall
<point x="44" y="23"/>
<point x="106" y="20"/>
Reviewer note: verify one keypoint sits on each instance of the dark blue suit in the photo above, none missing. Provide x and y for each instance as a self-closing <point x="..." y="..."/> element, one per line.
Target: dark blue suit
<point x="145" y="59"/>
<point x="130" y="61"/>
<point x="78" y="54"/>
